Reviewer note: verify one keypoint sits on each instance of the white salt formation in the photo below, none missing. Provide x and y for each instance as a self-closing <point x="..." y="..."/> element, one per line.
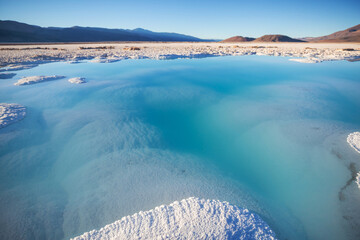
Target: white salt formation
<point x="191" y="218"/>
<point x="10" y="113"/>
<point x="305" y="60"/>
<point x="18" y="67"/>
<point x="36" y="79"/>
<point x="354" y="141"/>
<point x="358" y="179"/>
<point x="22" y="57"/>
<point x="77" y="80"/>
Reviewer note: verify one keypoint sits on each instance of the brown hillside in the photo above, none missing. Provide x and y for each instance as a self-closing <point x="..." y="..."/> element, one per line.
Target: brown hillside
<point x="276" y="38"/>
<point x="349" y="35"/>
<point x="238" y="39"/>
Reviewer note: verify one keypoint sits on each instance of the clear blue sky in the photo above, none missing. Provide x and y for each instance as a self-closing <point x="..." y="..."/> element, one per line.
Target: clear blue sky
<point x="202" y="18"/>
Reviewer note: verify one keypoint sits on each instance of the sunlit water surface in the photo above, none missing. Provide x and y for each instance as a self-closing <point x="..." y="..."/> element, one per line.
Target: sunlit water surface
<point x="263" y="133"/>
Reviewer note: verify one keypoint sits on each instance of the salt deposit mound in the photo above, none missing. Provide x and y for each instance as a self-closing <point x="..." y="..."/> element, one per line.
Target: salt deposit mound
<point x="190" y="218"/>
<point x="10" y="113"/>
<point x="354" y="141"/>
<point x="36" y="79"/>
<point x="77" y="80"/>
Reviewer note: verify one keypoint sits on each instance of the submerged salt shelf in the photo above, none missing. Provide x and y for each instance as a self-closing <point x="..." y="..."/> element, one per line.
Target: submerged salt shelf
<point x="7" y="75"/>
<point x="190" y="218"/>
<point x="143" y="133"/>
<point x="354" y="141"/>
<point x="11" y="113"/>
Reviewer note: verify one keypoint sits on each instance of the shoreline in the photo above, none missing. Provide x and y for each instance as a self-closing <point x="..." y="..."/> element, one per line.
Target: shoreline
<point x="14" y="54"/>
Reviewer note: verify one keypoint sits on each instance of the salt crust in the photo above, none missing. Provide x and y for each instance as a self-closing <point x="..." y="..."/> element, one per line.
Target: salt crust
<point x="29" y="56"/>
<point x="77" y="80"/>
<point x="190" y="218"/>
<point x="36" y="79"/>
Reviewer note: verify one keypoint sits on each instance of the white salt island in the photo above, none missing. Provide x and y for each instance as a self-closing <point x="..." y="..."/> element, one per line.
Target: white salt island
<point x="37" y="79"/>
<point x="190" y="218"/>
<point x="11" y="113"/>
<point x="77" y="80"/>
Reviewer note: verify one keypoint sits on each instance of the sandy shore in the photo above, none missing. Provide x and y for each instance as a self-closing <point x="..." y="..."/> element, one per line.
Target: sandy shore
<point x="13" y="55"/>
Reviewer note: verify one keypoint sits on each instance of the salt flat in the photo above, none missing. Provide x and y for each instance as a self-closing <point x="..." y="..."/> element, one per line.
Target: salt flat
<point x="13" y="55"/>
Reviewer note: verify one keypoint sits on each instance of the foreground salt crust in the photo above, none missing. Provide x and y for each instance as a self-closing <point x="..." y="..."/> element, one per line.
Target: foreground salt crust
<point x="37" y="79"/>
<point x="77" y="80"/>
<point x="190" y="218"/>
<point x="354" y="141"/>
<point x="10" y="113"/>
<point x="23" y="57"/>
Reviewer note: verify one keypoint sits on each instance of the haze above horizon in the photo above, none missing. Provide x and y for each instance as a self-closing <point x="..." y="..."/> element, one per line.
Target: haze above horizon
<point x="203" y="19"/>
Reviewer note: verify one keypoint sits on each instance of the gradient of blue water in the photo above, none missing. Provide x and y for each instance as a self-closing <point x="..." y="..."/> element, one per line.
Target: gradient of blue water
<point x="260" y="132"/>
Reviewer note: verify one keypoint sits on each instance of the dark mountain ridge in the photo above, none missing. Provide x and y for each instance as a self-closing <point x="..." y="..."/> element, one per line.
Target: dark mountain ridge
<point x="12" y="31"/>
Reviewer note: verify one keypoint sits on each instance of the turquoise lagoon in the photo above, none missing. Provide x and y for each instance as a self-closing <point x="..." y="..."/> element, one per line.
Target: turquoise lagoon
<point x="263" y="133"/>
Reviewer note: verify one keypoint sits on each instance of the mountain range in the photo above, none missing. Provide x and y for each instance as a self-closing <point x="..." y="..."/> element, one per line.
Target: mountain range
<point x="16" y="32"/>
<point x="265" y="38"/>
<point x="12" y="31"/>
<point x="238" y="39"/>
<point x="348" y="35"/>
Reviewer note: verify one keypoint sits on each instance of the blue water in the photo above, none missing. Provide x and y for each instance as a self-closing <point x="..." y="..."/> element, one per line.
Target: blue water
<point x="263" y="133"/>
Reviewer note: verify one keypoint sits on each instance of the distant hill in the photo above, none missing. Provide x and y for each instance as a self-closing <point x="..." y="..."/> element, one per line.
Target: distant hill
<point x="276" y="38"/>
<point x="12" y="31"/>
<point x="238" y="39"/>
<point x="349" y="35"/>
<point x="265" y="38"/>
